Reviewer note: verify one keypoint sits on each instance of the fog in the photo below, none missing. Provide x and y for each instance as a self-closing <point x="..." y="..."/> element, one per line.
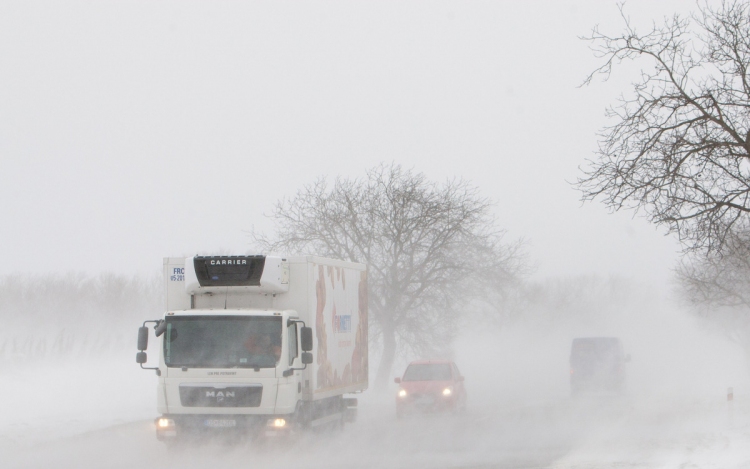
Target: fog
<point x="134" y="131"/>
<point x="95" y="408"/>
<point x="137" y="131"/>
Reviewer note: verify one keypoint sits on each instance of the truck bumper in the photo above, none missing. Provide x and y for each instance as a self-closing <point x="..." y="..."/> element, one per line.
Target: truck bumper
<point x="172" y="427"/>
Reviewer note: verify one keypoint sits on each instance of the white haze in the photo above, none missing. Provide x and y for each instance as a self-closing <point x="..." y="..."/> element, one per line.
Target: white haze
<point x="99" y="410"/>
<point x="134" y="130"/>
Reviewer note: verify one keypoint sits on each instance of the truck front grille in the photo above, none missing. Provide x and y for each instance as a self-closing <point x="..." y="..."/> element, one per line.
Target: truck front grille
<point x="230" y="395"/>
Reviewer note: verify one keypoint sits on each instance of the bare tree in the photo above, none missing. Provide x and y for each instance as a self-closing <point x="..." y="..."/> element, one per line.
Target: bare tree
<point x="719" y="279"/>
<point x="717" y="287"/>
<point x="430" y="250"/>
<point x="679" y="148"/>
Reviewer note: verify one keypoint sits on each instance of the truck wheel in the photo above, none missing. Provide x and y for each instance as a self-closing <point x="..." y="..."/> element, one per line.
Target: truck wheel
<point x="339" y="425"/>
<point x="302" y="415"/>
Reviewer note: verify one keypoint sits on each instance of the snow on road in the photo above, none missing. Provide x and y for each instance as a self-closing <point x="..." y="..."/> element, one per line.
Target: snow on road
<point x="98" y="413"/>
<point x="85" y="419"/>
<point x="63" y="398"/>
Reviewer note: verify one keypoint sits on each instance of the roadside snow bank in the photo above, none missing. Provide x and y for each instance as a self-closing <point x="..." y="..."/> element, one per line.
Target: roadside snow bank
<point x="47" y="400"/>
<point x="665" y="433"/>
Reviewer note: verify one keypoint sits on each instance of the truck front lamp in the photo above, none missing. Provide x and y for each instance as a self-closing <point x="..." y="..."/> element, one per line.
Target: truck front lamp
<point x="165" y="423"/>
<point x="402" y="393"/>
<point x="447" y="392"/>
<point x="277" y="423"/>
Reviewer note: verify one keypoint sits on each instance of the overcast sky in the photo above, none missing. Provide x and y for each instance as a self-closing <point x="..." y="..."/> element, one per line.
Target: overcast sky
<point x="131" y="131"/>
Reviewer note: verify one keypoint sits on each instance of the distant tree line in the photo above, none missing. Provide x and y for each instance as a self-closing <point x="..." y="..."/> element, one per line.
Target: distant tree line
<point x="57" y="315"/>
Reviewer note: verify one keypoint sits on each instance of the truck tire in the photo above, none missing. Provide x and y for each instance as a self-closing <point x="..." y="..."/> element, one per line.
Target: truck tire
<point x="302" y="415"/>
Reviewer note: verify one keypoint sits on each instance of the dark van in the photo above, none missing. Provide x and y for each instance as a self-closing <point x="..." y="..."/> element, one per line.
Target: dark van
<point x="597" y="364"/>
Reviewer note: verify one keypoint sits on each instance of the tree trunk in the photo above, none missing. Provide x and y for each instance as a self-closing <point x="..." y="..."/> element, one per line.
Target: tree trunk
<point x="386" y="359"/>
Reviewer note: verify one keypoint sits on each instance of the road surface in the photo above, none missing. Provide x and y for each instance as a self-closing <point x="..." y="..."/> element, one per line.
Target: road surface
<point x="595" y="432"/>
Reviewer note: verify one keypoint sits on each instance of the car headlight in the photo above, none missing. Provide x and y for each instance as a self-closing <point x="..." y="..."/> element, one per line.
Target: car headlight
<point x="402" y="393"/>
<point x="447" y="391"/>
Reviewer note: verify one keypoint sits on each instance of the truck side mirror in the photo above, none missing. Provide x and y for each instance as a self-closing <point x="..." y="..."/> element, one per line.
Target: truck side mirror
<point x="306" y="340"/>
<point x="397" y="380"/>
<point x="140" y="357"/>
<point x="160" y="328"/>
<point x="142" y="339"/>
<point x="307" y="358"/>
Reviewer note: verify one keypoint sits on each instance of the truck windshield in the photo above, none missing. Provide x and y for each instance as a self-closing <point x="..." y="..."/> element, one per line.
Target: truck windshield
<point x="222" y="342"/>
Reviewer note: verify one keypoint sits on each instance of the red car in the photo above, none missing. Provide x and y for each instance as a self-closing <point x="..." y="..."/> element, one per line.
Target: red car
<point x="430" y="385"/>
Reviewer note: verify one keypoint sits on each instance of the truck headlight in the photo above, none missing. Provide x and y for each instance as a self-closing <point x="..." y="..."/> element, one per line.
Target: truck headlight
<point x="276" y="423"/>
<point x="447" y="392"/>
<point x="164" y="423"/>
<point x="402" y="393"/>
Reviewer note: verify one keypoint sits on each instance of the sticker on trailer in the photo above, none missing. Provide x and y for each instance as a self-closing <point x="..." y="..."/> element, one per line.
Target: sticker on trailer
<point x="340" y="327"/>
<point x="178" y="274"/>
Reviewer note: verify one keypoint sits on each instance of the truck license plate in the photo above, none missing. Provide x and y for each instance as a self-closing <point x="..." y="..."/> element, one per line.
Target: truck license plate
<point x="221" y="423"/>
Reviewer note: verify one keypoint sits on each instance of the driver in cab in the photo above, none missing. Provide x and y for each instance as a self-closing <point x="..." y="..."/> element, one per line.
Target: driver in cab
<point x="263" y="349"/>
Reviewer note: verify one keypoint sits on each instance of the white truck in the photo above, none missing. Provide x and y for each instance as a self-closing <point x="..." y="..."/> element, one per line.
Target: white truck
<point x="258" y="345"/>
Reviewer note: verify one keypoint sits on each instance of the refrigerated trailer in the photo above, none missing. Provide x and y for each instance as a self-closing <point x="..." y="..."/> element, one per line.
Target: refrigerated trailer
<point x="258" y="345"/>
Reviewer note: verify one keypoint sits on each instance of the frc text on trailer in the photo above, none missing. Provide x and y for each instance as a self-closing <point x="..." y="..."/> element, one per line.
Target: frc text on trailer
<point x="258" y="344"/>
